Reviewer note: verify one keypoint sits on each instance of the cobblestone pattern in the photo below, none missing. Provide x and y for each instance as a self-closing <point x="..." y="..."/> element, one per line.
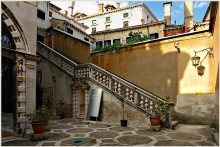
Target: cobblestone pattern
<point x="100" y="134"/>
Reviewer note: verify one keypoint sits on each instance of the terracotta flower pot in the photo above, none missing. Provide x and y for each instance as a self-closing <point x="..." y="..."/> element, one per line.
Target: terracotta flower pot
<point x="39" y="127"/>
<point x="155" y="120"/>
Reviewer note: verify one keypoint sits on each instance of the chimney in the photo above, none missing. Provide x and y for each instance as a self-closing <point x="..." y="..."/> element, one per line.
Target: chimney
<point x="65" y="12"/>
<point x="167" y="12"/>
<point x="188" y="15"/>
<point x="117" y="5"/>
<point x="71" y="7"/>
<point x="101" y="9"/>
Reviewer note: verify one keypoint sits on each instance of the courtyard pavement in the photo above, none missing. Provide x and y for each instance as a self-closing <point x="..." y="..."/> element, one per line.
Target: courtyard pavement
<point x="90" y="133"/>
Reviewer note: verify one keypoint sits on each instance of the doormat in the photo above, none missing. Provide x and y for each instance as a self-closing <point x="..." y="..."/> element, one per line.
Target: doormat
<point x="77" y="142"/>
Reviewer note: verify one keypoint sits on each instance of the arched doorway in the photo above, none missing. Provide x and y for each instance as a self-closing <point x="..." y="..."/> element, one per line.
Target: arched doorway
<point x="80" y="92"/>
<point x="20" y="63"/>
<point x="8" y="89"/>
<point x="80" y="95"/>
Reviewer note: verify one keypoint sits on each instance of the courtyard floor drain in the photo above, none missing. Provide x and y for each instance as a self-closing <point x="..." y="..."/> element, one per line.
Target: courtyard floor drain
<point x="77" y="142"/>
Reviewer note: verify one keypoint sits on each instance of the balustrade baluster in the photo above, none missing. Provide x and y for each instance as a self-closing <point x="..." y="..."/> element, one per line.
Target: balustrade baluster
<point x="119" y="89"/>
<point x="127" y="94"/>
<point x="115" y="87"/>
<point x="131" y="96"/>
<point x="142" y="102"/>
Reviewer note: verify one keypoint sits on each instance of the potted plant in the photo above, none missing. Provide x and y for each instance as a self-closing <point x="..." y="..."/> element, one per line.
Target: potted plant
<point x="61" y="103"/>
<point x="124" y="122"/>
<point x="213" y="126"/>
<point x="39" y="119"/>
<point x="158" y="112"/>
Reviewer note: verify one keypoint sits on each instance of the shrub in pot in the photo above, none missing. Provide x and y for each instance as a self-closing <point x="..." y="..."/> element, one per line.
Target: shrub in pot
<point x="39" y="119"/>
<point x="158" y="112"/>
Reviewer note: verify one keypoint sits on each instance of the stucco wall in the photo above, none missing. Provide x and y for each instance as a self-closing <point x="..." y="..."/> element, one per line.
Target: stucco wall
<point x="56" y="79"/>
<point x="216" y="62"/>
<point x="157" y="67"/>
<point x="71" y="47"/>
<point x="123" y="34"/>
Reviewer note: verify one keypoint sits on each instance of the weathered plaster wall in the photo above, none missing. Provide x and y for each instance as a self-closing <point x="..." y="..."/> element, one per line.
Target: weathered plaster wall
<point x="197" y="109"/>
<point x="216" y="64"/>
<point x="71" y="47"/>
<point x="58" y="80"/>
<point x="157" y="67"/>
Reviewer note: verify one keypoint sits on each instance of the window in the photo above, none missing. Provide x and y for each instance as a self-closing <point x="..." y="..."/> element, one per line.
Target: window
<point x="40" y="14"/>
<point x="70" y="31"/>
<point x="128" y="38"/>
<point x="50" y="14"/>
<point x="94" y="22"/>
<point x="116" y="40"/>
<point x="82" y="23"/>
<point x="107" y="19"/>
<point x="86" y="39"/>
<point x="107" y="43"/>
<point x="107" y="27"/>
<point x="99" y="44"/>
<point x="125" y="24"/>
<point x="40" y="38"/>
<point x="93" y="30"/>
<point x="147" y="16"/>
<point x="125" y="15"/>
<point x="154" y="36"/>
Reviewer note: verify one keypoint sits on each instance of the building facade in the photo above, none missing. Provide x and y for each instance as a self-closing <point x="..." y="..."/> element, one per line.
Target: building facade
<point x="114" y="18"/>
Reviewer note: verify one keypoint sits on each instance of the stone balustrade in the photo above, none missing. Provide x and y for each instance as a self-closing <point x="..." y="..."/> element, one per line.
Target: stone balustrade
<point x="128" y="92"/>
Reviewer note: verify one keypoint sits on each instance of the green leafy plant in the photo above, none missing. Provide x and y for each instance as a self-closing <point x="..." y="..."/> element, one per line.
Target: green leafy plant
<point x="161" y="110"/>
<point x="134" y="38"/>
<point x="61" y="102"/>
<point x="213" y="125"/>
<point x="43" y="113"/>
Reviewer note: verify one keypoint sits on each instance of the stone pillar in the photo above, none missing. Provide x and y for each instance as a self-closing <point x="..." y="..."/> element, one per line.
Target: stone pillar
<point x="74" y="102"/>
<point x="21" y="94"/>
<point x="31" y="63"/>
<point x="86" y="102"/>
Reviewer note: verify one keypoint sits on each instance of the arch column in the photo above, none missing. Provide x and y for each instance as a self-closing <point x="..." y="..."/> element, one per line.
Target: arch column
<point x="21" y="93"/>
<point x="74" y="106"/>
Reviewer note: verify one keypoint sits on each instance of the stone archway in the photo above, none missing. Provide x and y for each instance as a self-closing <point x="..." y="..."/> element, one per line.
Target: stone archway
<point x="80" y="96"/>
<point x="24" y="69"/>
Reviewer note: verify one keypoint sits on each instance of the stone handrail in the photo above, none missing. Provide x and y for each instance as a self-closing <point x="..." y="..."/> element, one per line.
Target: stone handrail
<point x="128" y="92"/>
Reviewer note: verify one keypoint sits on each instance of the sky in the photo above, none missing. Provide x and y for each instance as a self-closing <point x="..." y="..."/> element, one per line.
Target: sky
<point x="90" y="7"/>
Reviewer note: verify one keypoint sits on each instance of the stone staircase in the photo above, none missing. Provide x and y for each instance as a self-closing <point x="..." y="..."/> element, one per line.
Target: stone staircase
<point x="133" y="95"/>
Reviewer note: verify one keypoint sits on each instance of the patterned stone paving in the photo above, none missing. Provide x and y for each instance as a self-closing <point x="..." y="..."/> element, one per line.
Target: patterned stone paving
<point x="65" y="132"/>
<point x="134" y="140"/>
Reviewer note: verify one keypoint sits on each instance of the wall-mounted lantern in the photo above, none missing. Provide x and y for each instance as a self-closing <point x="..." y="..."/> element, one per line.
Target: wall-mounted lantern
<point x="196" y="60"/>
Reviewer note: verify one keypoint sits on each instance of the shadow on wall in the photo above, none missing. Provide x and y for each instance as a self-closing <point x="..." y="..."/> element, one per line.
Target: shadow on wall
<point x="154" y="68"/>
